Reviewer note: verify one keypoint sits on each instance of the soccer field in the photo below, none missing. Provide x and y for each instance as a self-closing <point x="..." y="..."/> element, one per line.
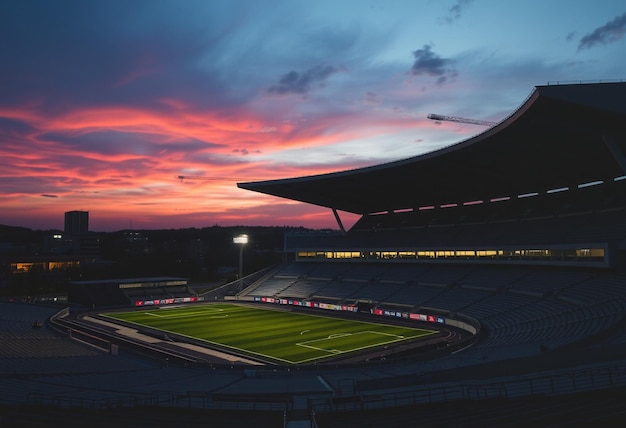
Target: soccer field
<point x="282" y="336"/>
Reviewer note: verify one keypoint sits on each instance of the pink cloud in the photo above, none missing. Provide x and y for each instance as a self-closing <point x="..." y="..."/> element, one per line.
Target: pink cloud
<point x="121" y="163"/>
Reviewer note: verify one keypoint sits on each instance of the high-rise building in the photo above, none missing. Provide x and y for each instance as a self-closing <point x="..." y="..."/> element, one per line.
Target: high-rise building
<point x="76" y="222"/>
<point x="76" y="235"/>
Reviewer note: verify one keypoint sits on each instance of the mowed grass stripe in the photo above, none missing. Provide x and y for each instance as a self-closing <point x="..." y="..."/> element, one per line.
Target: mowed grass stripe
<point x="278" y="335"/>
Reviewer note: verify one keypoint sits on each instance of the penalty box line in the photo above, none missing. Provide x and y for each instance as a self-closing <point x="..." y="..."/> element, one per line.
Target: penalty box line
<point x="306" y="344"/>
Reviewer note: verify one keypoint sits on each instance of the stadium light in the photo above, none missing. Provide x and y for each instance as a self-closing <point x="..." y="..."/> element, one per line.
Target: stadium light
<point x="241" y="240"/>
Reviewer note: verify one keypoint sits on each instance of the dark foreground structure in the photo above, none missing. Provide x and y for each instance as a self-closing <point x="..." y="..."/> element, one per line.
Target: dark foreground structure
<point x="517" y="235"/>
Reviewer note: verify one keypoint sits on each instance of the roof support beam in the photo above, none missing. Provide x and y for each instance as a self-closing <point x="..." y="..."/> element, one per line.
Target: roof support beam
<point x="617" y="153"/>
<point x="343" y="230"/>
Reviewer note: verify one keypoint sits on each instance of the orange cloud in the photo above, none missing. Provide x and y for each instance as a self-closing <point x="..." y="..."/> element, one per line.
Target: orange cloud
<point x="122" y="163"/>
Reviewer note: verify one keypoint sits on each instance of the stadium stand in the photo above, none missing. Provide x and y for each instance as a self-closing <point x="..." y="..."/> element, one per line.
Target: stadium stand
<point x="22" y="334"/>
<point x="521" y="228"/>
<point x="134" y="291"/>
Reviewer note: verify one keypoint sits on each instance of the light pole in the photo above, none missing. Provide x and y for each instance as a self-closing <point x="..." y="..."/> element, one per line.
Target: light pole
<point x="241" y="240"/>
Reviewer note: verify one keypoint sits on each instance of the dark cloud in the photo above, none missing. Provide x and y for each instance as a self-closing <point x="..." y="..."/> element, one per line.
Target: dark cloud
<point x="43" y="186"/>
<point x="296" y="82"/>
<point x="430" y="64"/>
<point x="12" y="127"/>
<point x="610" y="32"/>
<point x="245" y="152"/>
<point x="456" y="11"/>
<point x="110" y="53"/>
<point x="371" y="98"/>
<point x="120" y="142"/>
<point x="115" y="181"/>
<point x="570" y="36"/>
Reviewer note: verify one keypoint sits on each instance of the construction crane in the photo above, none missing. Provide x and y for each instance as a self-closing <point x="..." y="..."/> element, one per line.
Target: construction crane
<point x="441" y="118"/>
<point x="204" y="178"/>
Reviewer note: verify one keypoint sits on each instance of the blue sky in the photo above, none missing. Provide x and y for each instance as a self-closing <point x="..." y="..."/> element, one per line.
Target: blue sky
<point x="104" y="103"/>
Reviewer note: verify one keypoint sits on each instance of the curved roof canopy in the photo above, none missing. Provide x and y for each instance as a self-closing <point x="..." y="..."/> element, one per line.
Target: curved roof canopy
<point x="561" y="137"/>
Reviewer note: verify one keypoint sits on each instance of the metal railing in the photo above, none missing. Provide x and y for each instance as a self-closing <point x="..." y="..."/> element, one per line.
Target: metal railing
<point x="583" y="380"/>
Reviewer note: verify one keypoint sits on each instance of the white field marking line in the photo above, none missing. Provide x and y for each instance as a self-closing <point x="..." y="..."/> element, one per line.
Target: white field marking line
<point x="306" y="360"/>
<point x="304" y="331"/>
<point x="332" y="351"/>
<point x="386" y="334"/>
<point x="242" y="350"/>
<point x="330" y="317"/>
<point x="271" y="357"/>
<point x="189" y="314"/>
<point x="339" y="335"/>
<point x="333" y="336"/>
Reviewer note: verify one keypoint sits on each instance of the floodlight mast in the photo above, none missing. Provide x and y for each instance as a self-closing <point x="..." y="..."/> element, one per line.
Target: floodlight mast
<point x="444" y="118"/>
<point x="241" y="240"/>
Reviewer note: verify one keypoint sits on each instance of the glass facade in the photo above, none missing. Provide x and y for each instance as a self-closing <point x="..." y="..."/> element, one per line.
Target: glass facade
<point x="21" y="267"/>
<point x="576" y="254"/>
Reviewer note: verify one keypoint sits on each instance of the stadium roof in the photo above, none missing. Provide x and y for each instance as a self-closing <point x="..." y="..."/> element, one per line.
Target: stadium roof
<point x="563" y="136"/>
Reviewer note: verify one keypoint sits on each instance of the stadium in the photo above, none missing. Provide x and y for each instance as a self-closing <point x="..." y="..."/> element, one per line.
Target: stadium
<point x="484" y="284"/>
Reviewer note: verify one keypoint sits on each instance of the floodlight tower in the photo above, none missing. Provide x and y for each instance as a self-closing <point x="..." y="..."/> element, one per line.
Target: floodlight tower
<point x="241" y="240"/>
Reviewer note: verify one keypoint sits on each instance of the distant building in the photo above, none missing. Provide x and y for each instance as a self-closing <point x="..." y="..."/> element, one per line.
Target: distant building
<point x="76" y="222"/>
<point x="76" y="233"/>
<point x="58" y="252"/>
<point x="44" y="264"/>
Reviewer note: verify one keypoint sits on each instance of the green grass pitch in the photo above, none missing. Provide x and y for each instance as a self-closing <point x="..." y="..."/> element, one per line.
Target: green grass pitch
<point x="282" y="336"/>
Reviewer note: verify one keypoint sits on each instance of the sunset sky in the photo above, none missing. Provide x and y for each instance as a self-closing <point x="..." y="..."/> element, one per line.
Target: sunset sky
<point x="104" y="103"/>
